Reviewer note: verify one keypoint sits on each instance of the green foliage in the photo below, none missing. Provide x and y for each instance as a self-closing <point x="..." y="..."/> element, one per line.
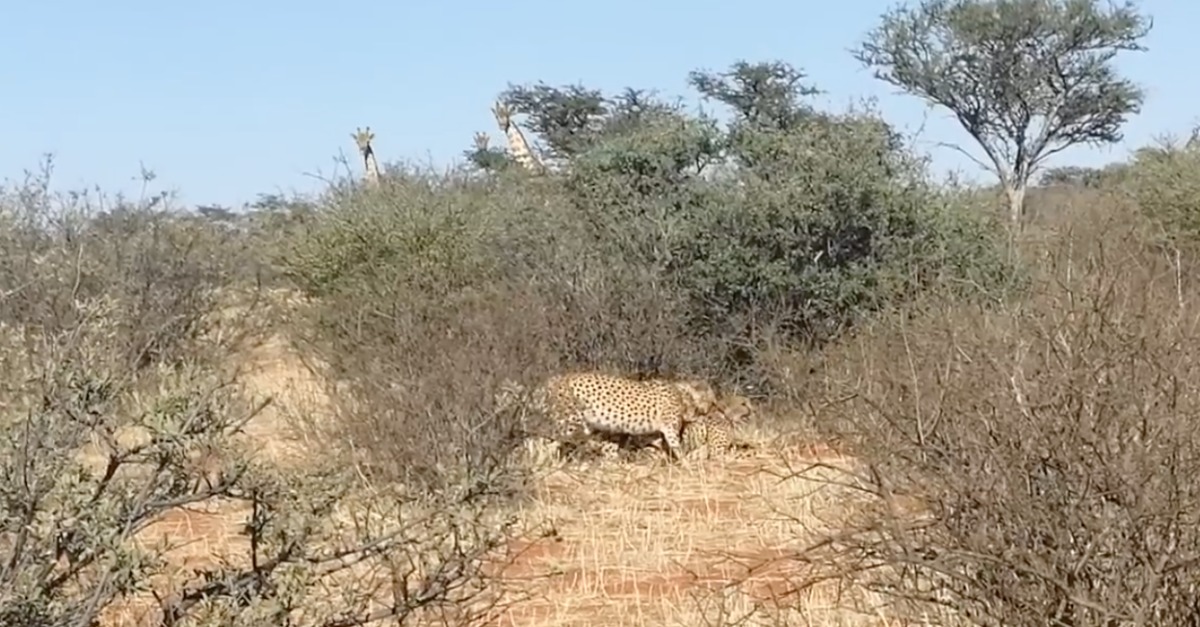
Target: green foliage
<point x="418" y="234"/>
<point x="637" y="189"/>
<point x="1025" y="78"/>
<point x="764" y="96"/>
<point x="489" y="159"/>
<point x="789" y="218"/>
<point x="568" y="118"/>
<point x="837" y="223"/>
<point x="572" y="119"/>
<point x="1165" y="182"/>
<point x="823" y="216"/>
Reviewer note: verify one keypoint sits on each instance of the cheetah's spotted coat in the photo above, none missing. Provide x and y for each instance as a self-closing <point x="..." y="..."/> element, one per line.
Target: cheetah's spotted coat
<point x="708" y="435"/>
<point x="713" y="433"/>
<point x="592" y="405"/>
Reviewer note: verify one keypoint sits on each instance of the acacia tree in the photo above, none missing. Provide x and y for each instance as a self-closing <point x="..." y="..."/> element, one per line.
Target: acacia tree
<point x="765" y="95"/>
<point x="1025" y="78"/>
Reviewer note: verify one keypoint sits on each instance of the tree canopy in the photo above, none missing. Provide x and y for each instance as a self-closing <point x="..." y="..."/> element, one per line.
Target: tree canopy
<point x="1025" y="78"/>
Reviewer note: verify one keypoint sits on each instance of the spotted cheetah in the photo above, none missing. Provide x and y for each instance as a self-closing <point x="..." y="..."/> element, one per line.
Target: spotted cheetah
<point x="707" y="434"/>
<point x="712" y="433"/>
<point x="592" y="405"/>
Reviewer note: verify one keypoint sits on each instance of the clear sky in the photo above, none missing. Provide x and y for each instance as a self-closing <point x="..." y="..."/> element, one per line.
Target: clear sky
<point x="225" y="100"/>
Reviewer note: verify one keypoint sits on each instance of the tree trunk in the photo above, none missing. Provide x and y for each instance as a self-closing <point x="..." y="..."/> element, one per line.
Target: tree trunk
<point x="1016" y="203"/>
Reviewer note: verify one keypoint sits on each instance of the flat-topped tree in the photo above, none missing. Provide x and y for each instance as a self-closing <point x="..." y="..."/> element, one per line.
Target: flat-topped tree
<point x="566" y="118"/>
<point x="767" y="95"/>
<point x="1025" y="78"/>
<point x="363" y="138"/>
<point x="521" y="152"/>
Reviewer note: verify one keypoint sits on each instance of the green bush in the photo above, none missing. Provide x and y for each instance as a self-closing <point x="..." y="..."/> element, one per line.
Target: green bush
<point x="1165" y="183"/>
<point x="663" y="244"/>
<point x="832" y="218"/>
<point x="837" y="223"/>
<point x="433" y="242"/>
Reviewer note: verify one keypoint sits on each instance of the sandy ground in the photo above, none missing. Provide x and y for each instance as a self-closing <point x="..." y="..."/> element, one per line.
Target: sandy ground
<point x="656" y="544"/>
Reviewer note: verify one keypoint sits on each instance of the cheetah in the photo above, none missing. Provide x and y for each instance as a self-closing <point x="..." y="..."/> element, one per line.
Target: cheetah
<point x="712" y="433"/>
<point x="705" y="436"/>
<point x="593" y="405"/>
<point x="542" y="422"/>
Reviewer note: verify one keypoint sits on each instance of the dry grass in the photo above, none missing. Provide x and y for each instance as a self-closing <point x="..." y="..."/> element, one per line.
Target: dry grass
<point x="659" y="544"/>
<point x="609" y="543"/>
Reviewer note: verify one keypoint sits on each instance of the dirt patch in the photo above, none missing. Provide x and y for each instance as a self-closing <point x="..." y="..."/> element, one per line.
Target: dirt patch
<point x="274" y="369"/>
<point x="197" y="537"/>
<point x="623" y="544"/>
<point x="661" y="544"/>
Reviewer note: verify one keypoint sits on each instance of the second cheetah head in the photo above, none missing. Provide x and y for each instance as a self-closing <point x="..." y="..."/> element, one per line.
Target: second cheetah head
<point x="737" y="409"/>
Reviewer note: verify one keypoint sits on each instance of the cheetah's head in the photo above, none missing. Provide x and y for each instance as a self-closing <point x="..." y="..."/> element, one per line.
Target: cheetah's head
<point x="737" y="409"/>
<point x="701" y="394"/>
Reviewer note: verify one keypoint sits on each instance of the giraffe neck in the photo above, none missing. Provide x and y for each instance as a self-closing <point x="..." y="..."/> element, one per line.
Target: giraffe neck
<point x="520" y="148"/>
<point x="370" y="166"/>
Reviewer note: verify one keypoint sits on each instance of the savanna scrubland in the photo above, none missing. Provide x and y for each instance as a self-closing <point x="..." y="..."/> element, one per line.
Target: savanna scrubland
<point x="975" y="403"/>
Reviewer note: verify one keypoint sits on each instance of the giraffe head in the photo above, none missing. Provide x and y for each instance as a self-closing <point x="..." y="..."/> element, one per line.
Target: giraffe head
<point x="363" y="137"/>
<point x="481" y="141"/>
<point x="503" y="115"/>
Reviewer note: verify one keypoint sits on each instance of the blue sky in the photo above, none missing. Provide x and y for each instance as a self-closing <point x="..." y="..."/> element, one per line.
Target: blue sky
<point x="225" y="100"/>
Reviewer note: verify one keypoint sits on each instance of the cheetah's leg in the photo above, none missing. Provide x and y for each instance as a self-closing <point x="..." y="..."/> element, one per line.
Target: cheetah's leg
<point x="589" y="449"/>
<point x="701" y="451"/>
<point x="572" y="434"/>
<point x="670" y="439"/>
<point x="696" y="446"/>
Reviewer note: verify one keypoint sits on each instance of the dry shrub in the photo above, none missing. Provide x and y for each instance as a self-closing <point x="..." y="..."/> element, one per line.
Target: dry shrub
<point x="158" y="270"/>
<point x="315" y="548"/>
<point x="432" y="291"/>
<point x="1035" y="461"/>
<point x="117" y="411"/>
